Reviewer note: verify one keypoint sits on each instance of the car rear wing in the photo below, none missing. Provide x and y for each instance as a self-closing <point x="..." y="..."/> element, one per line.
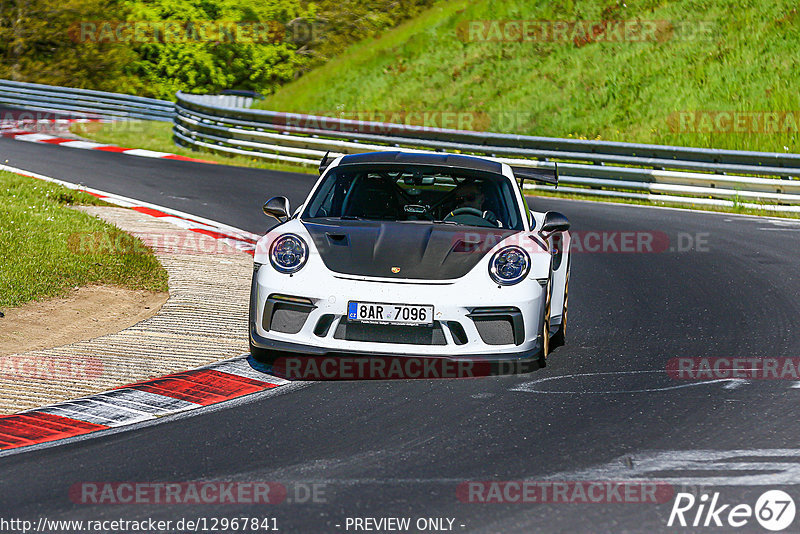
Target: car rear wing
<point x="323" y="164"/>
<point x="537" y="174"/>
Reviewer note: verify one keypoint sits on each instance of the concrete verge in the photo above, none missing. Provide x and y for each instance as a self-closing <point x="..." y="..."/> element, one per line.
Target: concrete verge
<point x="204" y="321"/>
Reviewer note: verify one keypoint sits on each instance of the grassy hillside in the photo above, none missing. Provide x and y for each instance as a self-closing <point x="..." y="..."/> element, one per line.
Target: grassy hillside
<point x="709" y="55"/>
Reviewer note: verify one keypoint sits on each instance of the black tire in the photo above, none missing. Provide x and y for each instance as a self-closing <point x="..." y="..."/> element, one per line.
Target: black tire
<point x="262" y="355"/>
<point x="545" y="350"/>
<point x="559" y="339"/>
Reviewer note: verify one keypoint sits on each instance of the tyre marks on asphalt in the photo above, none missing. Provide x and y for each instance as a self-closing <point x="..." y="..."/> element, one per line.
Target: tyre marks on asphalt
<point x="612" y="382"/>
<point x="750" y="467"/>
<point x="620" y="382"/>
<point x="135" y="403"/>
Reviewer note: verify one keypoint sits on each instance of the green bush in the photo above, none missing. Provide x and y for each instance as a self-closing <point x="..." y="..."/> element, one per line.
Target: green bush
<point x="232" y="44"/>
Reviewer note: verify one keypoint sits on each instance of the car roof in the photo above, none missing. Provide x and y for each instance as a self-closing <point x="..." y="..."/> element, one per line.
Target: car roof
<point x="422" y="158"/>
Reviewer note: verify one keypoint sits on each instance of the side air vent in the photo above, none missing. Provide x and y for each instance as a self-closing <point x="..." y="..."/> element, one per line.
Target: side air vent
<point x="286" y="314"/>
<point x="499" y="326"/>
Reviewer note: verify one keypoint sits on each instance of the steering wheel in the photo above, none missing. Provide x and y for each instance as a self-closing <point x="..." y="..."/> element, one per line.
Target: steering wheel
<point x="468" y="210"/>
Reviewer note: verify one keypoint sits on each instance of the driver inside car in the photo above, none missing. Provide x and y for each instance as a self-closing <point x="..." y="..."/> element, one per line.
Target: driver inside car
<point x="471" y="195"/>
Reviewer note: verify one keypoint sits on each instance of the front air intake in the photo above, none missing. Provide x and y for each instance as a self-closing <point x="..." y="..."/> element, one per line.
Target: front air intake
<point x="388" y="333"/>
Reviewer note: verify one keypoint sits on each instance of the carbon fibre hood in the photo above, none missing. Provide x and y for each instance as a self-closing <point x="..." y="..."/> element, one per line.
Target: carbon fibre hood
<point x="415" y="250"/>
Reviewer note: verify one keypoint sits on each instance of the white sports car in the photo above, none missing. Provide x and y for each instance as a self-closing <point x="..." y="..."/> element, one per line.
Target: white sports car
<point x="412" y="254"/>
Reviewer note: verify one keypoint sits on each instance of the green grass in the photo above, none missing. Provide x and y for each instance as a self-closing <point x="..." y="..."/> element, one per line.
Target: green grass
<point x="621" y="91"/>
<point x="40" y="245"/>
<point x="157" y="135"/>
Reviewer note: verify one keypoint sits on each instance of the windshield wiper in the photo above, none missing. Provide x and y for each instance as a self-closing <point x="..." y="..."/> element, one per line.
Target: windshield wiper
<point x="350" y="218"/>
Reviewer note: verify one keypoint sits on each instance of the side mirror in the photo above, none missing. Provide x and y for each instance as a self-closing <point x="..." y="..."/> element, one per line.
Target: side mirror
<point x="277" y="207"/>
<point x="553" y="222"/>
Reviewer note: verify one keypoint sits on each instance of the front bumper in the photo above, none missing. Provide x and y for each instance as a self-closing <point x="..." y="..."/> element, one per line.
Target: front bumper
<point x="460" y="313"/>
<point x="279" y="348"/>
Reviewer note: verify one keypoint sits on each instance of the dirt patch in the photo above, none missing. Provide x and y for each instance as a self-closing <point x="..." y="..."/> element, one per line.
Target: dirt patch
<point x="86" y="313"/>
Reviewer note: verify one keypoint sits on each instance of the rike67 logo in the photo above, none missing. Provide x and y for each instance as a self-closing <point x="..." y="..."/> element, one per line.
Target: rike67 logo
<point x="774" y="510"/>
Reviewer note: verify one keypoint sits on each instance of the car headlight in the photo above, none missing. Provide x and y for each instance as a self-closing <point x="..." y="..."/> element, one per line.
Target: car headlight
<point x="509" y="265"/>
<point x="288" y="253"/>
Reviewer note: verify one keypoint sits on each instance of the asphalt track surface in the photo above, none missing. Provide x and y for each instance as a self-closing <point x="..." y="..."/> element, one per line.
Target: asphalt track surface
<point x="401" y="448"/>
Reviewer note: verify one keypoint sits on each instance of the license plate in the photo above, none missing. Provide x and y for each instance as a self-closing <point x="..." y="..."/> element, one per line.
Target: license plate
<point x="373" y="312"/>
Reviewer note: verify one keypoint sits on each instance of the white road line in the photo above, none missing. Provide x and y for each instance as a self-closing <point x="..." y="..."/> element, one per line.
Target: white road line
<point x="82" y="144"/>
<point x="145" y="153"/>
<point x="146" y="402"/>
<point x="65" y="410"/>
<point x="93" y="411"/>
<point x="34" y="137"/>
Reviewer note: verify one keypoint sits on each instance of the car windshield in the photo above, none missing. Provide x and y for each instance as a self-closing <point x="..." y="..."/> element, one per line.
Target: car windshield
<point x="416" y="193"/>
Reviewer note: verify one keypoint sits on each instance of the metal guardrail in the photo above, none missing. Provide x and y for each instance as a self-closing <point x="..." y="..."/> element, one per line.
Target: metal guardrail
<point x="586" y="167"/>
<point x="226" y="100"/>
<point x="82" y="102"/>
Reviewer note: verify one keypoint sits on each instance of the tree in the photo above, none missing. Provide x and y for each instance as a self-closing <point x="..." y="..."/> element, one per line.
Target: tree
<point x="233" y="44"/>
<point x="37" y="45"/>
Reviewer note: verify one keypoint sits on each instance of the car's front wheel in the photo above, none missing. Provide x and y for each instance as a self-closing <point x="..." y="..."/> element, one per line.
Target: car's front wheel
<point x="560" y="337"/>
<point x="261" y="355"/>
<point x="545" y="331"/>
